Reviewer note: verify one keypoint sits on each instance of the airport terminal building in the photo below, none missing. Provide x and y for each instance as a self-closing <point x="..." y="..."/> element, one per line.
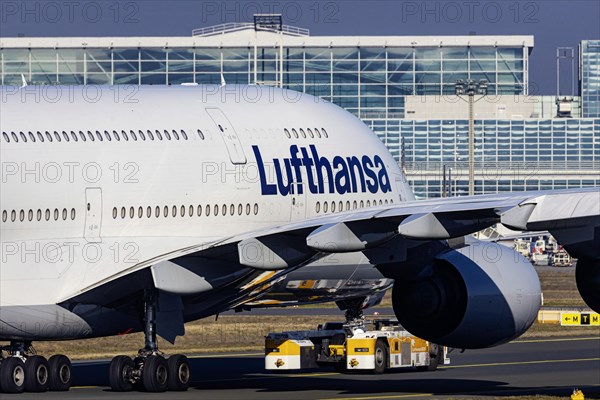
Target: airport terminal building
<point x="403" y="87"/>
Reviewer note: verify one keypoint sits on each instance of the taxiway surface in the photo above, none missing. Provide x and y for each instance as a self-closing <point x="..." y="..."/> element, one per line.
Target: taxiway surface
<point x="552" y="366"/>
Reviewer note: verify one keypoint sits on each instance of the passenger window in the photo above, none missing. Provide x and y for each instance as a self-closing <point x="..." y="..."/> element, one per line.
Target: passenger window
<point x="247" y="209"/>
<point x="74" y="136"/>
<point x="123" y="212"/>
<point x="4" y="215"/>
<point x="30" y="215"/>
<point x="324" y="132"/>
<point x="131" y="212"/>
<point x="216" y="210"/>
<point x="224" y="212"/>
<point x="150" y="136"/>
<point x="116" y="135"/>
<point x="255" y="209"/>
<point x="115" y="212"/>
<point x="368" y="203"/>
<point x="107" y="135"/>
<point x="166" y="213"/>
<point x="287" y="133"/>
<point x="125" y="137"/>
<point x="40" y="136"/>
<point x="56" y="214"/>
<point x="333" y="206"/>
<point x="23" y="137"/>
<point x="240" y="209"/>
<point x="347" y="205"/>
<point x="6" y="139"/>
<point x="47" y="214"/>
<point x="13" y="216"/>
<point x="340" y="206"/>
<point x="21" y="215"/>
<point x="16" y="139"/>
<point x="200" y="134"/>
<point x="149" y="212"/>
<point x="174" y="209"/>
<point x="99" y="136"/>
<point x="191" y="211"/>
<point x="140" y="212"/>
<point x="199" y="210"/>
<point x="302" y="133"/>
<point x="175" y="134"/>
<point x="207" y="210"/>
<point x="31" y="137"/>
<point x="318" y="132"/>
<point x="82" y="136"/>
<point x="157" y="212"/>
<point x="39" y="215"/>
<point x="167" y="135"/>
<point x="318" y="207"/>
<point x="185" y="136"/>
<point x="158" y="135"/>
<point x="295" y="133"/>
<point x="182" y="211"/>
<point x="310" y="133"/>
<point x="232" y="210"/>
<point x="325" y="206"/>
<point x="354" y="205"/>
<point x="91" y="136"/>
<point x="66" y="136"/>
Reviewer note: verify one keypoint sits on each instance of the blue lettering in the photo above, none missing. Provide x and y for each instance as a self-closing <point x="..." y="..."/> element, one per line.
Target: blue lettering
<point x="342" y="175"/>
<point x="372" y="184"/>
<point x="266" y="188"/>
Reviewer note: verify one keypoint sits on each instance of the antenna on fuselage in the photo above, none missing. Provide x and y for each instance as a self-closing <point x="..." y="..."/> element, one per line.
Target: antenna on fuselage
<point x="24" y="81"/>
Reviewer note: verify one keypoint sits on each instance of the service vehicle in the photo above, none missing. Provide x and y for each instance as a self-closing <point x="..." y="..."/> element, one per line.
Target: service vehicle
<point x="352" y="347"/>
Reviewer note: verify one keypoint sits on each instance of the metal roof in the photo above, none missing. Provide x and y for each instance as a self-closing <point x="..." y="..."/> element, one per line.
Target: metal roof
<point x="248" y="38"/>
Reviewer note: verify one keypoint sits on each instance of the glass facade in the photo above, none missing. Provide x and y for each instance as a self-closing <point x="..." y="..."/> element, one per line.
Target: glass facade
<point x="589" y="54"/>
<point x="367" y="81"/>
<point x="370" y="78"/>
<point x="510" y="155"/>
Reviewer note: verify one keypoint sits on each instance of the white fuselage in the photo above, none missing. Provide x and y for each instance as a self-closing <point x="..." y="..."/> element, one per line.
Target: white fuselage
<point x="77" y="214"/>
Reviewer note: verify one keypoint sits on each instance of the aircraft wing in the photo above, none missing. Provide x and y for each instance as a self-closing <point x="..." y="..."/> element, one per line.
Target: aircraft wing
<point x="572" y="216"/>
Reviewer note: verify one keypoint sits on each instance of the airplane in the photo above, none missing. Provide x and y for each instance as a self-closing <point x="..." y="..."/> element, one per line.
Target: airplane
<point x="128" y="209"/>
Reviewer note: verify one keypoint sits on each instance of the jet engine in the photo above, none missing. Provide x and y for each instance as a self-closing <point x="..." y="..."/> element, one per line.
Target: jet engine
<point x="587" y="276"/>
<point x="481" y="295"/>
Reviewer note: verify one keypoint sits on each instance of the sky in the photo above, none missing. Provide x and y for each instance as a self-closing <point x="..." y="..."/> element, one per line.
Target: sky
<point x="553" y="23"/>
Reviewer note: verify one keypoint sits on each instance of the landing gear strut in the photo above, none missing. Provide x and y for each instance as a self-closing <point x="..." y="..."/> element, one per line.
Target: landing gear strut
<point x="353" y="310"/>
<point x="150" y="370"/>
<point x="21" y="370"/>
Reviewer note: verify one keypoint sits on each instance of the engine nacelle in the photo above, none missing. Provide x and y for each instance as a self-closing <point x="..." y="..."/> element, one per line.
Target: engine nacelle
<point x="587" y="275"/>
<point x="481" y="295"/>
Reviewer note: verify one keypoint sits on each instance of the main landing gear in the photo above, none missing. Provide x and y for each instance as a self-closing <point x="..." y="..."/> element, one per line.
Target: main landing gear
<point x="21" y="370"/>
<point x="150" y="370"/>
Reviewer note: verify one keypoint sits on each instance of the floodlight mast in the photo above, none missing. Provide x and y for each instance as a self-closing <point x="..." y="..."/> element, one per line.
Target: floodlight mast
<point x="470" y="88"/>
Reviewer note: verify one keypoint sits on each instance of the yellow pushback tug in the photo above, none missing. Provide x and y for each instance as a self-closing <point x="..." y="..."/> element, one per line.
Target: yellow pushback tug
<point x="352" y="347"/>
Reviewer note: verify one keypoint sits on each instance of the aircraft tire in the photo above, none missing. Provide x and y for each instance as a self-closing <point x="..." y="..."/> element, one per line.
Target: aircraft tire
<point x="12" y="375"/>
<point x="179" y="373"/>
<point x="155" y="375"/>
<point x="60" y="373"/>
<point x="36" y="374"/>
<point x="120" y="368"/>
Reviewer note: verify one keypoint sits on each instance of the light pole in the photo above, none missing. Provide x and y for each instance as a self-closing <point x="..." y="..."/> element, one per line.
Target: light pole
<point x="470" y="88"/>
